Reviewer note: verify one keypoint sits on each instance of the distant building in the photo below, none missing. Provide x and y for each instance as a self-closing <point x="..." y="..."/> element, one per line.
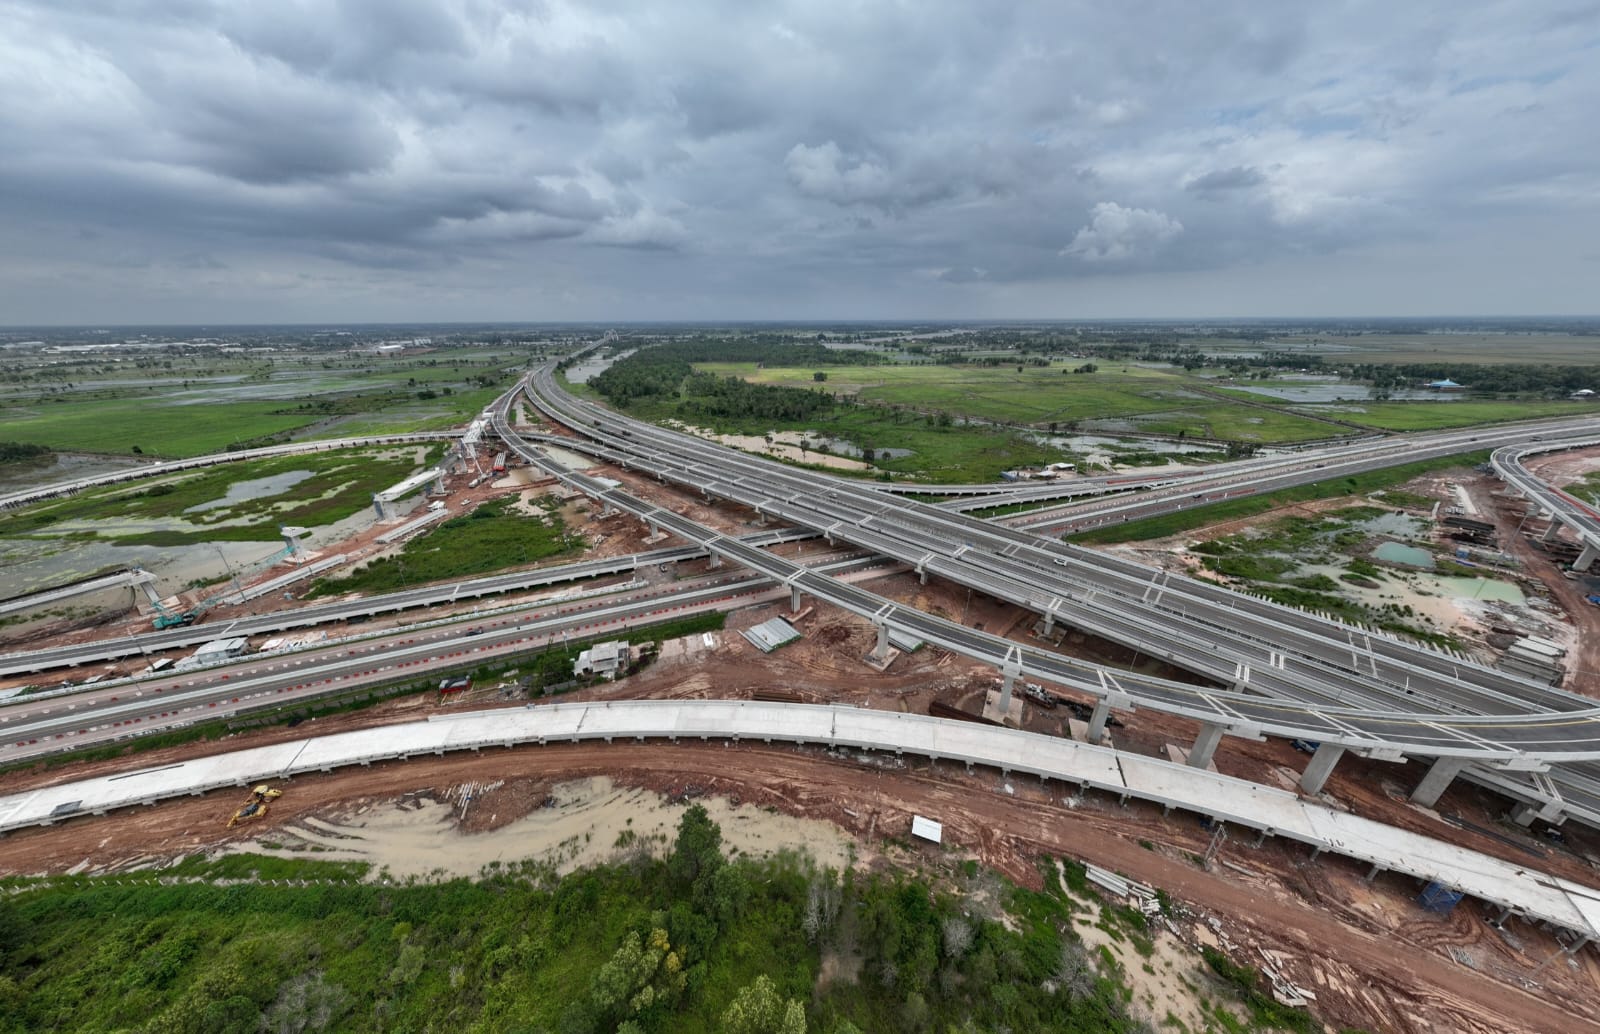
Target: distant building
<point x="603" y="659"/>
<point x="1446" y="385"/>
<point x="1583" y="393"/>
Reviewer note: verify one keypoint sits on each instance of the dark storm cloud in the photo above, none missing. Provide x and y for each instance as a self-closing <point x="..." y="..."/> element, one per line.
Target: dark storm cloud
<point x="503" y="159"/>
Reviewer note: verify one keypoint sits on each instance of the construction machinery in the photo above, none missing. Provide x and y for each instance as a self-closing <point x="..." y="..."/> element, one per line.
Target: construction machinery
<point x="256" y="806"/>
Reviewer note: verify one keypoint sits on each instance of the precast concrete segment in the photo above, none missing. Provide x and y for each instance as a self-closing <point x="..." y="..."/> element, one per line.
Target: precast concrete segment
<point x="34" y="495"/>
<point x="1525" y="891"/>
<point x="1504" y="738"/>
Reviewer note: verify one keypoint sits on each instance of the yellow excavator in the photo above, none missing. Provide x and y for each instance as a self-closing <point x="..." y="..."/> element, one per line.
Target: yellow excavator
<point x="256" y="806"/>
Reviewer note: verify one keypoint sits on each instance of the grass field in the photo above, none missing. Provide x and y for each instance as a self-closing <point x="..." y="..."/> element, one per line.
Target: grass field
<point x="1476" y="348"/>
<point x="1428" y="416"/>
<point x="1234" y="509"/>
<point x="1036" y="395"/>
<point x="490" y="538"/>
<point x="157" y="427"/>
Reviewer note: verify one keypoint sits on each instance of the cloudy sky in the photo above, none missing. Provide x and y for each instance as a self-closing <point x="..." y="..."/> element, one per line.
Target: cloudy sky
<point x="399" y="160"/>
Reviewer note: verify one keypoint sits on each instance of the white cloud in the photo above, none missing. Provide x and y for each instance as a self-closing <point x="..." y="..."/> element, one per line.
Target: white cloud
<point x="1116" y="234"/>
<point x="823" y="172"/>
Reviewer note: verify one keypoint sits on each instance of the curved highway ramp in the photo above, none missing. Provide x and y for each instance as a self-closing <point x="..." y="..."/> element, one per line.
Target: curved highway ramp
<point x="1516" y="888"/>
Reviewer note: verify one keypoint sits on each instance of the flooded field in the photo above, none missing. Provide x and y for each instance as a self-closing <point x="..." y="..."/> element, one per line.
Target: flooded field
<point x="28" y="565"/>
<point x="66" y="466"/>
<point x="255" y="488"/>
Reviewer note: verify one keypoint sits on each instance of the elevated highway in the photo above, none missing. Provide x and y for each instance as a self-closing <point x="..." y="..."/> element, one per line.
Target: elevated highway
<point x="34" y="728"/>
<point x="1515" y="888"/>
<point x="1312" y="665"/>
<point x="1564" y="510"/>
<point x="34" y="661"/>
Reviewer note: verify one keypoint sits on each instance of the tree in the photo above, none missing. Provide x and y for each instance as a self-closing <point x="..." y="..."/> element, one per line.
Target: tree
<point x="819" y="376"/>
<point x="698" y="851"/>
<point x="758" y="1009"/>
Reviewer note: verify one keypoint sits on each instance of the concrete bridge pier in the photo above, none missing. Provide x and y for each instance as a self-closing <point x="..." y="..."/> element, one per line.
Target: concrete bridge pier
<point x="715" y="562"/>
<point x="1440" y="775"/>
<point x="1205" y="744"/>
<point x="1587" y="557"/>
<point x="1551" y="532"/>
<point x="880" y="653"/>
<point x="1102" y="713"/>
<point x="1008" y="679"/>
<point x="1315" y="777"/>
<point x="794" y="599"/>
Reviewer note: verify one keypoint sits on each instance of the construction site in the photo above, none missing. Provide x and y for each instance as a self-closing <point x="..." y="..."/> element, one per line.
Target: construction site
<point x="1338" y="938"/>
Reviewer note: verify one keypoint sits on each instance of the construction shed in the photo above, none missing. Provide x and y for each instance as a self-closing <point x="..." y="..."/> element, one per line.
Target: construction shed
<point x="222" y="649"/>
<point x="603" y="659"/>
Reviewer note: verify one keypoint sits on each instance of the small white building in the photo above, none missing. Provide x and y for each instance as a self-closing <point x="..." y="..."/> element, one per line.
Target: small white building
<point x="221" y="649"/>
<point x="603" y="659"/>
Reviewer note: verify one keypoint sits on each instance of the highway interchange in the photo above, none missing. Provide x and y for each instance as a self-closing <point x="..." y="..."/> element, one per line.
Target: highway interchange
<point x="1291" y="673"/>
<point x="1276" y="670"/>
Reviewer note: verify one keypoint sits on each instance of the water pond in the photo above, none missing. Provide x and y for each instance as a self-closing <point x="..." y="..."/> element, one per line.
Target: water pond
<point x="1400" y="553"/>
<point x="254" y="488"/>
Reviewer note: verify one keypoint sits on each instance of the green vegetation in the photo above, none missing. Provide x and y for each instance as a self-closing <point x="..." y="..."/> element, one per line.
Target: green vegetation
<point x="690" y="942"/>
<point x="1431" y="416"/>
<point x="489" y="538"/>
<point x="1234" y="509"/>
<point x="22" y="452"/>
<point x="1267" y="557"/>
<point x="340" y="484"/>
<point x="151" y="427"/>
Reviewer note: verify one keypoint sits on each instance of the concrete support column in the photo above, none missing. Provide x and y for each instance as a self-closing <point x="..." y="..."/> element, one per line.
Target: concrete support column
<point x="761" y="519"/>
<point x="655" y="529"/>
<point x="1049" y="622"/>
<point x="1440" y="775"/>
<point x="715" y="562"/>
<point x="1205" y="744"/>
<point x="1550" y="532"/>
<point x="881" y="651"/>
<point x="1315" y="777"/>
<point x="1586" y="558"/>
<point x="794" y="599"/>
<point x="1007" y="680"/>
<point x="1097" y="720"/>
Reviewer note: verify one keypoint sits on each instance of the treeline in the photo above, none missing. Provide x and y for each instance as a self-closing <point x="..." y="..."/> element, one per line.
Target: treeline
<point x="691" y="942"/>
<point x="22" y="452"/>
<point x="666" y="373"/>
<point x="706" y="394"/>
<point x="1507" y="378"/>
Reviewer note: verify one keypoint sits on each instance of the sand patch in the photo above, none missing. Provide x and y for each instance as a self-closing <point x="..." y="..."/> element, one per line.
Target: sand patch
<point x="584" y="822"/>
